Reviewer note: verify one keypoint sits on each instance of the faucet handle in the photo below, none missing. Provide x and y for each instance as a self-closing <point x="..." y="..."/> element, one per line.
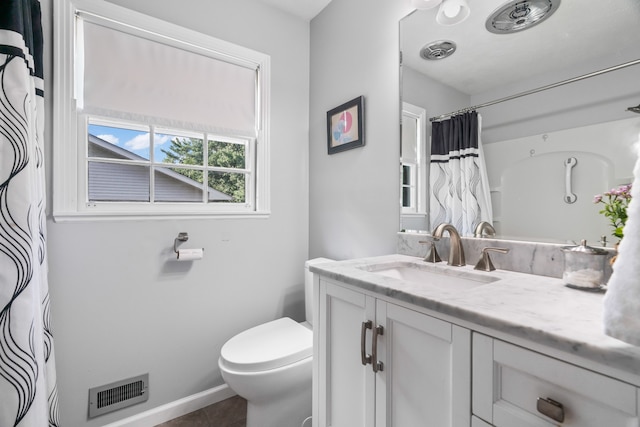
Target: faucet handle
<point x="484" y="263"/>
<point x="432" y="256"/>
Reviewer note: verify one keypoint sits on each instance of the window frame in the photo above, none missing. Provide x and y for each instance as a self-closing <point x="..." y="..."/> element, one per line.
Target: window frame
<point x="411" y="185"/>
<point x="70" y="179"/>
<point x="418" y="167"/>
<point x="154" y="165"/>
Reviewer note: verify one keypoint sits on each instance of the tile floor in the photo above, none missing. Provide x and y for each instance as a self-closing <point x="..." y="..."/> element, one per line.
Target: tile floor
<point x="231" y="412"/>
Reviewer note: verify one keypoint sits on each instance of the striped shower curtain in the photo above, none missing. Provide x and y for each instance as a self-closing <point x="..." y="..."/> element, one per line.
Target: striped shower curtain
<point x="28" y="396"/>
<point x="458" y="174"/>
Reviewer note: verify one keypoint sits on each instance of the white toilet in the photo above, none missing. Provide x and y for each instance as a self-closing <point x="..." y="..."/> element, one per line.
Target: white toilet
<point x="270" y="366"/>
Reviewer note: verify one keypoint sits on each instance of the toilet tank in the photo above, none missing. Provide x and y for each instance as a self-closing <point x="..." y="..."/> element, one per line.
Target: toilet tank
<point x="308" y="287"/>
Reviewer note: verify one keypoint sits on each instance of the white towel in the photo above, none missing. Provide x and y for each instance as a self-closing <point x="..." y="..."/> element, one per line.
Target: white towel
<point x="622" y="300"/>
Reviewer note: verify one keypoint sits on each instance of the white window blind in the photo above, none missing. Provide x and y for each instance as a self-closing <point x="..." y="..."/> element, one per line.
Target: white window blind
<point x="164" y="82"/>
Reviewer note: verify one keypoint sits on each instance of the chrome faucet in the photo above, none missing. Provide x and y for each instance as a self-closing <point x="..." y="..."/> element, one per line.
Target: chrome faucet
<point x="456" y="252"/>
<point x="484" y="228"/>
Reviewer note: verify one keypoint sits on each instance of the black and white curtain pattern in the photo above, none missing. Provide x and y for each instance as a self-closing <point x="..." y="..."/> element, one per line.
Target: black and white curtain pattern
<point x="28" y="395"/>
<point x="458" y="175"/>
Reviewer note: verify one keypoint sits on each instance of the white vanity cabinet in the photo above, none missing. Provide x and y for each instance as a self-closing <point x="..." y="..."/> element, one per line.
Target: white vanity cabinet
<point x="380" y="364"/>
<point x="514" y="386"/>
<point x="495" y="356"/>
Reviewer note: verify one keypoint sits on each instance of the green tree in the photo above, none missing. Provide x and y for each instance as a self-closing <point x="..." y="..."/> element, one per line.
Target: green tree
<point x="189" y="151"/>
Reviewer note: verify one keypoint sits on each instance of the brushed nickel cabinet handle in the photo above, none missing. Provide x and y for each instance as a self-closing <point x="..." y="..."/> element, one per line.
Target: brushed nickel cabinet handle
<point x="366" y="358"/>
<point x="377" y="366"/>
<point x="551" y="409"/>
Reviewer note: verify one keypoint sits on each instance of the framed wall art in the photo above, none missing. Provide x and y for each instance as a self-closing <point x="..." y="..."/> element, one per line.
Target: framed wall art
<point x="345" y="126"/>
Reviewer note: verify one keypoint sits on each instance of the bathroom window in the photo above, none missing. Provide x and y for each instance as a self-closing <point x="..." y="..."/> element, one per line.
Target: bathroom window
<point x="413" y="158"/>
<point x="145" y="163"/>
<point x="409" y="199"/>
<point x="154" y="119"/>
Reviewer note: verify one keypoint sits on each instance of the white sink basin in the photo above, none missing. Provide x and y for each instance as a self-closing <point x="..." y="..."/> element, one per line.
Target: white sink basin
<point x="445" y="277"/>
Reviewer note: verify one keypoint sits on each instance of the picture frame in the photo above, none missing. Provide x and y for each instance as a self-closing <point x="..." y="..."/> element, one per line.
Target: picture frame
<point x="345" y="126"/>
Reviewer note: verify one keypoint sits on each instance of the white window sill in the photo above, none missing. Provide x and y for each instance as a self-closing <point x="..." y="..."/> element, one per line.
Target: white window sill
<point x="142" y="216"/>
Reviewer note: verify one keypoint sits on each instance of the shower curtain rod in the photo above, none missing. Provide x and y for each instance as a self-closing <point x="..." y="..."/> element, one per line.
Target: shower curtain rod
<point x="540" y="89"/>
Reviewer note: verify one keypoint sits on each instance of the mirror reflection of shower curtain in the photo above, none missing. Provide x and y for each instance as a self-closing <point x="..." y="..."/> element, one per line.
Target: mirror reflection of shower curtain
<point x="459" y="192"/>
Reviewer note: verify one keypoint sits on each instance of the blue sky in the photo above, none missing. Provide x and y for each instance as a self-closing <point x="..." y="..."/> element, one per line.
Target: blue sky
<point x="132" y="140"/>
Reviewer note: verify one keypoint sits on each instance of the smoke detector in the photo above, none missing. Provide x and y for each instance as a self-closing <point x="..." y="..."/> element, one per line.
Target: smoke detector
<point x="519" y="15"/>
<point x="438" y="50"/>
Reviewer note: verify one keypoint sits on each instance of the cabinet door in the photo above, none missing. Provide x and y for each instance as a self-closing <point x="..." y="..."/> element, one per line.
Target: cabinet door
<point x="514" y="386"/>
<point x="345" y="386"/>
<point x="426" y="370"/>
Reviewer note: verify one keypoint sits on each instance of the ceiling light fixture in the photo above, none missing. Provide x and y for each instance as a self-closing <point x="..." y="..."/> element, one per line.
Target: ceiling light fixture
<point x="452" y="12"/>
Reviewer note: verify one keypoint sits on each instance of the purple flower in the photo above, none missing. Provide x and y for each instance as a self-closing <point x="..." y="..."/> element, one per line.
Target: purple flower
<point x="616" y="201"/>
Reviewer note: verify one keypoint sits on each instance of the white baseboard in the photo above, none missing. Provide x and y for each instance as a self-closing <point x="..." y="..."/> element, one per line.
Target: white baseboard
<point x="176" y="409"/>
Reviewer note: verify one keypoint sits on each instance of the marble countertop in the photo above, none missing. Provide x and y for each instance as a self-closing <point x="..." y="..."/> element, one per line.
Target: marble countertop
<point x="535" y="308"/>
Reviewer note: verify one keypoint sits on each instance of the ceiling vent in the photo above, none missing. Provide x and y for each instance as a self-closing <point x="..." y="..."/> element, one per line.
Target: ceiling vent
<point x="519" y="15"/>
<point x="438" y="50"/>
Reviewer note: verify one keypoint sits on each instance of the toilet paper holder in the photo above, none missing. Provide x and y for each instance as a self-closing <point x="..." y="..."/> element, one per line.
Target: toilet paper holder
<point x="182" y="237"/>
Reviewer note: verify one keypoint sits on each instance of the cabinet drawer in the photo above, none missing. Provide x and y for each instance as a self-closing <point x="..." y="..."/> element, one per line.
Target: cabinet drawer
<point x="513" y="386"/>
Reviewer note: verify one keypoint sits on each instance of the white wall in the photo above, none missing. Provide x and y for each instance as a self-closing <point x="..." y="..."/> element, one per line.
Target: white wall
<point x="529" y="204"/>
<point x="599" y="99"/>
<point x="586" y="119"/>
<point x="122" y="307"/>
<point x="421" y="90"/>
<point x="355" y="195"/>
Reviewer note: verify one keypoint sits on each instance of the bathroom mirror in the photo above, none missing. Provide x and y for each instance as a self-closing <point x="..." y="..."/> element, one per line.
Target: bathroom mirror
<point x="528" y="141"/>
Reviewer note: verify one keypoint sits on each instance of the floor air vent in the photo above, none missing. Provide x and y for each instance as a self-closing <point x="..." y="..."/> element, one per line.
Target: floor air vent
<point x="118" y="395"/>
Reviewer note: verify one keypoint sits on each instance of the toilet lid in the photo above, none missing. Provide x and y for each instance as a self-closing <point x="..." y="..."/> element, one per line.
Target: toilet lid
<point x="268" y="346"/>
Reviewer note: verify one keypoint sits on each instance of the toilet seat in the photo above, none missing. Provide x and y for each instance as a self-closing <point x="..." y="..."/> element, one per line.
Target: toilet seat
<point x="268" y="346"/>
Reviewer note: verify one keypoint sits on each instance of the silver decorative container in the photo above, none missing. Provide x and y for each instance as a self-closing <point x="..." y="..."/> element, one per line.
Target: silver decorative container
<point x="584" y="266"/>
